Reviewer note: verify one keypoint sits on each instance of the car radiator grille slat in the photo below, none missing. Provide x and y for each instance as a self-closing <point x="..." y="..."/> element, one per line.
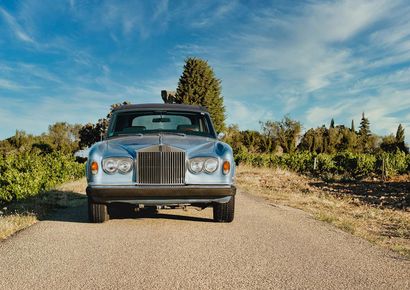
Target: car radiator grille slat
<point x="161" y="167"/>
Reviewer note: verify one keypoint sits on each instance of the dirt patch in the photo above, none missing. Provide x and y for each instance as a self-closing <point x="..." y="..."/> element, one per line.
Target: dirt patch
<point x="375" y="211"/>
<point x="389" y="194"/>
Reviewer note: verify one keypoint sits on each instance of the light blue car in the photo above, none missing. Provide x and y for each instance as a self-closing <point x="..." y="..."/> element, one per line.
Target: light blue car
<point x="161" y="156"/>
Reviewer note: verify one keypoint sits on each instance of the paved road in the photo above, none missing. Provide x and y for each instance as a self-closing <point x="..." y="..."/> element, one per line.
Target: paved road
<point x="265" y="247"/>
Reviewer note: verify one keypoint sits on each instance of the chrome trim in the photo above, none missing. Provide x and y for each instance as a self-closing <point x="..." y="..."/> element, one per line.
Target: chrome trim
<point x="161" y="164"/>
<point x="172" y="201"/>
<point x="135" y="185"/>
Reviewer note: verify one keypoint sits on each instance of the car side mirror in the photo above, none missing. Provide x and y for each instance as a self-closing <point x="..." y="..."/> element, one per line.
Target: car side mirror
<point x="220" y="136"/>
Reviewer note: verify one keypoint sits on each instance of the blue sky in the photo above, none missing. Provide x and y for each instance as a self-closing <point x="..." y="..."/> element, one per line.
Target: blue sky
<point x="314" y="60"/>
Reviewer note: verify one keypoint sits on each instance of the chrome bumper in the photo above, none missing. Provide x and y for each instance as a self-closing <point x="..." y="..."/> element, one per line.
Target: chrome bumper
<point x="161" y="194"/>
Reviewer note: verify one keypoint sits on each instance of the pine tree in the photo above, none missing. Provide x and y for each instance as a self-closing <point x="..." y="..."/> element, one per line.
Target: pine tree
<point x="365" y="134"/>
<point x="198" y="85"/>
<point x="364" y="127"/>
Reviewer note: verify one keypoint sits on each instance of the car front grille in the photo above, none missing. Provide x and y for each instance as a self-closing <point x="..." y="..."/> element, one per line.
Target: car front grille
<point x="161" y="168"/>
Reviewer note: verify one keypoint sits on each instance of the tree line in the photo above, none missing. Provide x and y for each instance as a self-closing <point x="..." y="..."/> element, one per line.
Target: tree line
<point x="286" y="136"/>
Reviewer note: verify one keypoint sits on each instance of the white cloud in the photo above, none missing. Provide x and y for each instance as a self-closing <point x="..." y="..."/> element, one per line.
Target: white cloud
<point x="381" y="109"/>
<point x="203" y="14"/>
<point x="246" y="115"/>
<point x="124" y="19"/>
<point x="382" y="80"/>
<point x="337" y="21"/>
<point x="9" y="85"/>
<point x="307" y="46"/>
<point x="17" y="30"/>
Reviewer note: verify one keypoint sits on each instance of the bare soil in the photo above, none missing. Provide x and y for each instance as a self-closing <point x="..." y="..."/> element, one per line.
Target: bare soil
<point x="375" y="210"/>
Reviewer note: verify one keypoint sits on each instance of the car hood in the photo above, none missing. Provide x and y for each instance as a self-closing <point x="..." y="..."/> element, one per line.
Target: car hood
<point x="131" y="144"/>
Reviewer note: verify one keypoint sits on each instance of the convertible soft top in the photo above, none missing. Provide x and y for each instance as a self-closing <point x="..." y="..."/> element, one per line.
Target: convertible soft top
<point x="165" y="107"/>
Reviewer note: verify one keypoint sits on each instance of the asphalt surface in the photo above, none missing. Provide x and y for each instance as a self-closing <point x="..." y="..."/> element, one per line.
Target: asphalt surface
<point x="266" y="246"/>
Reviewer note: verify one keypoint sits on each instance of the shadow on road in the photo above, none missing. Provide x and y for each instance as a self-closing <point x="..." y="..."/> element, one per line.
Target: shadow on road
<point x="126" y="211"/>
<point x="394" y="195"/>
<point x="72" y="207"/>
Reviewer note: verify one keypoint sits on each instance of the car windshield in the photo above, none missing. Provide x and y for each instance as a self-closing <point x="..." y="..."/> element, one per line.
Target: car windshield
<point x="132" y="123"/>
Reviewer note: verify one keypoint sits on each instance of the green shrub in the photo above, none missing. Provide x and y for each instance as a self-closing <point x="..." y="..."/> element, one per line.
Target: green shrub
<point x="325" y="164"/>
<point x="394" y="163"/>
<point x="354" y="165"/>
<point x="27" y="174"/>
<point x="364" y="165"/>
<point x="299" y="162"/>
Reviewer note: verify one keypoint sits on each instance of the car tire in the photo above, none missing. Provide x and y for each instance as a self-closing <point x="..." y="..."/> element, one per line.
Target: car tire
<point x="97" y="212"/>
<point x="224" y="212"/>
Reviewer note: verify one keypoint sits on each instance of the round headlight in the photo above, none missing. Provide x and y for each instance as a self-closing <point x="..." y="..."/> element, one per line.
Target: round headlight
<point x="110" y="166"/>
<point x="124" y="166"/>
<point x="211" y="165"/>
<point x="196" y="165"/>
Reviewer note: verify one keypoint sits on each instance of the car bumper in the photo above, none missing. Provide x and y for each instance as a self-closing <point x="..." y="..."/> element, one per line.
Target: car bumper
<point x="161" y="194"/>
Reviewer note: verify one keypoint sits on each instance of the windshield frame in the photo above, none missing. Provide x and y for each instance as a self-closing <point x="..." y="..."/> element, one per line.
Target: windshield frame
<point x="207" y="120"/>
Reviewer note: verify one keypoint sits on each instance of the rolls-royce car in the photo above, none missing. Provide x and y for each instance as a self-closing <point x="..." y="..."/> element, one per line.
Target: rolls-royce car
<point x="161" y="156"/>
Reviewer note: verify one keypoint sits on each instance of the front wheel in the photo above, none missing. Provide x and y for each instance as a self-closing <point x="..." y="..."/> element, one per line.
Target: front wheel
<point x="97" y="212"/>
<point x="224" y="212"/>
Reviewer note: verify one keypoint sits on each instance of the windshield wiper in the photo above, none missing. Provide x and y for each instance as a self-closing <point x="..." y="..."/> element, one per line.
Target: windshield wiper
<point x="174" y="133"/>
<point x="127" y="134"/>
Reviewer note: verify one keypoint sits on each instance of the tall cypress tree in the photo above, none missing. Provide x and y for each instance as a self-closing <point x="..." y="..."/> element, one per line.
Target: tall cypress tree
<point x="332" y="123"/>
<point x="400" y="134"/>
<point x="400" y="139"/>
<point x="365" y="135"/>
<point x="198" y="85"/>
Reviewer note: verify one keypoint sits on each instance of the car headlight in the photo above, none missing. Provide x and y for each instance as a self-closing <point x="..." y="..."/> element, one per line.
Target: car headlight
<point x="124" y="165"/>
<point x="211" y="165"/>
<point x="198" y="164"/>
<point x="112" y="165"/>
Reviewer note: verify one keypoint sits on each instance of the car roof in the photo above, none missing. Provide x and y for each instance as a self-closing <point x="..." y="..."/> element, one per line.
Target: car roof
<point x="165" y="107"/>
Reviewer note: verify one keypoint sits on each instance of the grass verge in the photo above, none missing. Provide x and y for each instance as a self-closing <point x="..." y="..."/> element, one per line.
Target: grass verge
<point x="19" y="215"/>
<point x="387" y="227"/>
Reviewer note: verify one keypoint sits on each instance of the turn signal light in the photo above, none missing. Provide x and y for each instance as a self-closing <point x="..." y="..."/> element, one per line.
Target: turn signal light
<point x="94" y="168"/>
<point x="226" y="167"/>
